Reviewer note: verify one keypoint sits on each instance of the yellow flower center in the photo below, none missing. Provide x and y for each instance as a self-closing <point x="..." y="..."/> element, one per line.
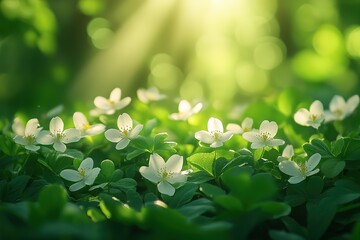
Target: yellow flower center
<point x="164" y="174"/>
<point x="313" y="117"/>
<point x="82" y="172"/>
<point x="265" y="136"/>
<point x="216" y="134"/>
<point x="86" y="126"/>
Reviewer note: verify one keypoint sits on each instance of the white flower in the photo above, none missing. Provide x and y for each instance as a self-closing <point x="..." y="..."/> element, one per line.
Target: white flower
<point x="26" y="135"/>
<point x="82" y="124"/>
<point x="186" y="110"/>
<point x="299" y="172"/>
<point x="264" y="136"/>
<point x="339" y="109"/>
<point x="126" y="133"/>
<point x="164" y="174"/>
<point x="215" y="136"/>
<point x="148" y="95"/>
<point x="312" y="118"/>
<point x="246" y="126"/>
<point x="85" y="175"/>
<point x="109" y="106"/>
<point x="287" y="153"/>
<point x="58" y="136"/>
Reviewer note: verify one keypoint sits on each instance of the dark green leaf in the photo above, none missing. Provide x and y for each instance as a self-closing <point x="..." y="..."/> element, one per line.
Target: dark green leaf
<point x="211" y="190"/>
<point x="318" y="146"/>
<point x="332" y="167"/>
<point x="107" y="168"/>
<point x="202" y="162"/>
<point x="182" y="195"/>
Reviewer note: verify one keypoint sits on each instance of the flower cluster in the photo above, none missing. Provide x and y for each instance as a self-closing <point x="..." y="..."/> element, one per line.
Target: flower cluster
<point x="167" y="175"/>
<point x="338" y="110"/>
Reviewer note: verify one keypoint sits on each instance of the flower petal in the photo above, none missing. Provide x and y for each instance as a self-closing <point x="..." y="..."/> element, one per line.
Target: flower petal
<point x="45" y="138"/>
<point x="31" y="128"/>
<point x="56" y="125"/>
<point x="102" y="103"/>
<point x="90" y="179"/>
<point x="296" y="179"/>
<point x="77" y="186"/>
<point x="71" y="135"/>
<point x="235" y="128"/>
<point x="79" y="120"/>
<point x="174" y="163"/>
<point x="216" y="144"/>
<point x="113" y="135"/>
<point x="215" y="124"/>
<point x="177" y="178"/>
<point x="165" y="188"/>
<point x="337" y="103"/>
<point x="257" y="145"/>
<point x="59" y="146"/>
<point x="141" y="94"/>
<point x="122" y="144"/>
<point x="86" y="164"/>
<point x="18" y="127"/>
<point x="226" y="136"/>
<point x="312" y="162"/>
<point x="247" y="124"/>
<point x="317" y="108"/>
<point x="252" y="136"/>
<point x="184" y="106"/>
<point x="115" y="95"/>
<point x="71" y="175"/>
<point x="149" y="174"/>
<point x="196" y="108"/>
<point x="352" y="104"/>
<point x="288" y="152"/>
<point x="312" y="172"/>
<point x="275" y="142"/>
<point x="204" y="136"/>
<point x="302" y="116"/>
<point x="33" y="148"/>
<point x="135" y="132"/>
<point x="156" y="162"/>
<point x="269" y="127"/>
<point x="124" y="122"/>
<point x="290" y="168"/>
<point x="123" y="103"/>
<point x="20" y="140"/>
<point x="95" y="129"/>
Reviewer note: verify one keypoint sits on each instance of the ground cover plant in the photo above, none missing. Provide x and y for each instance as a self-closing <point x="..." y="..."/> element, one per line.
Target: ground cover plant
<point x="135" y="168"/>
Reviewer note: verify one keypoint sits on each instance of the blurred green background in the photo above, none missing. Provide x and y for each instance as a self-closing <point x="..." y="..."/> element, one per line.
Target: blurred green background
<point x="226" y="51"/>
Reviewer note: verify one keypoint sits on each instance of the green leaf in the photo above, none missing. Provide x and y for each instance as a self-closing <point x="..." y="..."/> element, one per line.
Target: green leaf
<point x="332" y="167"/>
<point x="107" y="168"/>
<point x="134" y="199"/>
<point x="72" y="153"/>
<point x="52" y="200"/>
<point x="199" y="177"/>
<point x="16" y="187"/>
<point x="314" y="186"/>
<point x="351" y="149"/>
<point x="337" y="146"/>
<point x="273" y="209"/>
<point x="124" y="184"/>
<point x="229" y="202"/>
<point x="258" y="153"/>
<point x="202" y="162"/>
<point x="318" y="146"/>
<point x="135" y="154"/>
<point x="182" y="195"/>
<point x="196" y="208"/>
<point x="95" y="215"/>
<point x="211" y="190"/>
<point x="282" y="235"/>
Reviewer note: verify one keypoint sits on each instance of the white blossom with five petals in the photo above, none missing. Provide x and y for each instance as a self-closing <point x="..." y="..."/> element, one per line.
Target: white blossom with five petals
<point x="312" y="117"/>
<point x="125" y="133"/>
<point x="215" y="136"/>
<point x="299" y="172"/>
<point x="58" y="136"/>
<point x="186" y="110"/>
<point x="264" y="136"/>
<point x="85" y="175"/>
<point x="82" y="124"/>
<point x="26" y="135"/>
<point x="110" y="105"/>
<point x="246" y="126"/>
<point x="340" y="109"/>
<point x="150" y="94"/>
<point x="164" y="174"/>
